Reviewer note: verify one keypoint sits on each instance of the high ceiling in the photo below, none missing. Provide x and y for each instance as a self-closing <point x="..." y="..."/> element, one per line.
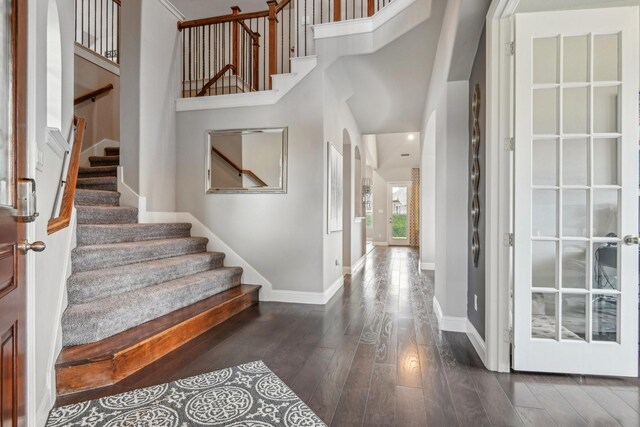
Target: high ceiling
<point x="390" y="85"/>
<point x="392" y="165"/>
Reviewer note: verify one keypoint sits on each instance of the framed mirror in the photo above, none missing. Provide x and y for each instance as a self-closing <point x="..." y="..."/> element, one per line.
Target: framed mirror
<point x="247" y="161"/>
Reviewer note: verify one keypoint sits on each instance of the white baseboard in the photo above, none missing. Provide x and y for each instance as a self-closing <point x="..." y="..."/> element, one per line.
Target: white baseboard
<point x="250" y="275"/>
<point x="477" y="341"/>
<point x="428" y="266"/>
<point x="380" y="243"/>
<point x="96" y="150"/>
<point x="355" y="267"/>
<point x="299" y="297"/>
<point x="449" y="323"/>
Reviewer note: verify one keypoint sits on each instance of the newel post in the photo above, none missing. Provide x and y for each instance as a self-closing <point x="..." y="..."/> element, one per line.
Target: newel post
<point x="235" y="10"/>
<point x="336" y="11"/>
<point x="273" y="34"/>
<point x="371" y="9"/>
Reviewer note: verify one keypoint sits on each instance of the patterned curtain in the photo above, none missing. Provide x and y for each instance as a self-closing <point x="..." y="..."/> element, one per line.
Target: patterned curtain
<point x="414" y="208"/>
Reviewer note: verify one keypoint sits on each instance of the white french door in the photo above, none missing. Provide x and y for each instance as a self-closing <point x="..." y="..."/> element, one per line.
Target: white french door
<point x="398" y="196"/>
<point x="576" y="192"/>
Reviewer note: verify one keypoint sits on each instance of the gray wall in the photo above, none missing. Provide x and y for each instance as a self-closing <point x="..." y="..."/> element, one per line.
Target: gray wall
<point x="476" y="274"/>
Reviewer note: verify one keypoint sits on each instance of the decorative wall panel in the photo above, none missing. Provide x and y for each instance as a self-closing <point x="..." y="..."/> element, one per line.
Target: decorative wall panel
<point x="475" y="175"/>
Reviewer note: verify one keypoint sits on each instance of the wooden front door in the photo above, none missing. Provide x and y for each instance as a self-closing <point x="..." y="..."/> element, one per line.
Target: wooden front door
<point x="13" y="145"/>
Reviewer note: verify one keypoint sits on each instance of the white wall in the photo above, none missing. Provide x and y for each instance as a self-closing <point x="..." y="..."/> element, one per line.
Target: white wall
<point x="339" y="119"/>
<point x="103" y="115"/>
<point x="47" y="270"/>
<point x="452" y="178"/>
<point x="379" y="208"/>
<point x="130" y="90"/>
<point x="428" y="202"/>
<point x="160" y="82"/>
<point x="287" y="252"/>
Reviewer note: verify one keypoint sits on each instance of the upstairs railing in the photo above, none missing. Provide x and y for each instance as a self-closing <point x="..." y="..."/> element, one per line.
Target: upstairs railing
<point x="97" y="27"/>
<point x="240" y="52"/>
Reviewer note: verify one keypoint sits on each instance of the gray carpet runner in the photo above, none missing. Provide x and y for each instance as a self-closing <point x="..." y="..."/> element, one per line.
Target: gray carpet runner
<point x="125" y="273"/>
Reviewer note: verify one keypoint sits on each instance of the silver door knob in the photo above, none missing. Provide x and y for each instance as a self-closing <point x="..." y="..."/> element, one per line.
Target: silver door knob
<point x="25" y="246"/>
<point x="631" y="240"/>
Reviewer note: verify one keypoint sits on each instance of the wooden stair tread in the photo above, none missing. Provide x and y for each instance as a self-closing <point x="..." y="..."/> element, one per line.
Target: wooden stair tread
<point x="106" y="348"/>
<point x="107" y="361"/>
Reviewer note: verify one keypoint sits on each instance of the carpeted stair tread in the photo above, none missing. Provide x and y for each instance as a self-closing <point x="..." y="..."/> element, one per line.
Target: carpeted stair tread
<point x="91" y="285"/>
<point x="106" y="215"/>
<point x="96" y="171"/>
<point x="112" y="151"/>
<point x="96" y="198"/>
<point x="102" y="234"/>
<point x="104" y="160"/>
<point x="108" y="183"/>
<point x="93" y="257"/>
<point x="99" y="319"/>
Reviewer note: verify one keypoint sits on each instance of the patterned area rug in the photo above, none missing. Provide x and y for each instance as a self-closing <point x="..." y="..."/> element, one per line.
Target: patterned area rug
<point x="248" y="395"/>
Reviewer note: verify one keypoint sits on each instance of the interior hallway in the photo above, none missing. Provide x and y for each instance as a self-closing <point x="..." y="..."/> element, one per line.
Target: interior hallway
<point x="374" y="356"/>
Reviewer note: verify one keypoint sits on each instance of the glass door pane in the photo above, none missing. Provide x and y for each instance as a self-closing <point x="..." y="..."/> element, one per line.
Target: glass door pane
<point x="6" y="101"/>
<point x="399" y="210"/>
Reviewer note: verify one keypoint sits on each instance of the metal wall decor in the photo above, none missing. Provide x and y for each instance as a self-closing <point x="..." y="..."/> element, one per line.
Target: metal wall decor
<point x="475" y="175"/>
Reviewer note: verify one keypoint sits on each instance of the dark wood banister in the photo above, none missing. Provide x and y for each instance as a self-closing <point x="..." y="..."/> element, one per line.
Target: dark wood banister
<point x="215" y="78"/>
<point x="93" y="94"/>
<point x="238" y="169"/>
<point x="66" y="208"/>
<point x="230" y="17"/>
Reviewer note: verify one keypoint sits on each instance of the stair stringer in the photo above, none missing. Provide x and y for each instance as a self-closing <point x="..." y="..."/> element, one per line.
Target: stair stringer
<point x="282" y="84"/>
<point x="128" y="197"/>
<point x="333" y="40"/>
<point x="368" y="35"/>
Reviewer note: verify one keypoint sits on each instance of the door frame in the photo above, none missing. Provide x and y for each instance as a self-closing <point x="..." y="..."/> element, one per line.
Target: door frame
<point x="390" y="184"/>
<point x="499" y="185"/>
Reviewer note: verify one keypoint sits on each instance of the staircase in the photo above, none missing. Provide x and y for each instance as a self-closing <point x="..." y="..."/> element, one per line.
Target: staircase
<point x="137" y="291"/>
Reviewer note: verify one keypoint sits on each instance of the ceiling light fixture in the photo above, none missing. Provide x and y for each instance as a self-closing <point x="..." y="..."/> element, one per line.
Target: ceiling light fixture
<point x="411" y="137"/>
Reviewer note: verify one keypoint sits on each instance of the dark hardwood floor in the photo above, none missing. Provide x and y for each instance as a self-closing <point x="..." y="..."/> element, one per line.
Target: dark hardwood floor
<point x="374" y="356"/>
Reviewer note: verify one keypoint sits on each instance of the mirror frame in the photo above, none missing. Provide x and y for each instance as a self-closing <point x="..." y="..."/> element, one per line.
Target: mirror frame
<point x="255" y="190"/>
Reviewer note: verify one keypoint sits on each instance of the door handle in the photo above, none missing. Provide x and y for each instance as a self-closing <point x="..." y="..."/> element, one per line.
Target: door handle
<point x="631" y="240"/>
<point x="25" y="246"/>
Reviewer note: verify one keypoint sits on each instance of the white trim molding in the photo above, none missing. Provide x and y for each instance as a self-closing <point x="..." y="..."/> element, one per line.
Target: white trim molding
<point x="361" y="25"/>
<point x="96" y="59"/>
<point x="59" y="145"/>
<point x="355" y="267"/>
<point x="380" y="243"/>
<point x="300" y="297"/>
<point x="448" y="323"/>
<point x="96" y="149"/>
<point x="428" y="266"/>
<point x="477" y="342"/>
<point x="173" y="9"/>
<point x="282" y="84"/>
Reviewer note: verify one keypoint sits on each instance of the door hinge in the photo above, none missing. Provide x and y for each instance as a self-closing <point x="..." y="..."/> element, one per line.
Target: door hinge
<point x="510" y="144"/>
<point x="511" y="48"/>
<point x="508" y="239"/>
<point x="508" y="335"/>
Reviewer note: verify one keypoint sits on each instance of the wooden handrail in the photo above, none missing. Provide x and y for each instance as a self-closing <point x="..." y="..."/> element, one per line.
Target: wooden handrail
<point x="66" y="208"/>
<point x="238" y="169"/>
<point x="254" y="35"/>
<point x="219" y="19"/>
<point x="93" y="94"/>
<point x="215" y="78"/>
<point x="282" y="5"/>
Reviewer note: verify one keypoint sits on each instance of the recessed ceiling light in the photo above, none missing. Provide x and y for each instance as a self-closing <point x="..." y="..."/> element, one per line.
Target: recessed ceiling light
<point x="411" y="137"/>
